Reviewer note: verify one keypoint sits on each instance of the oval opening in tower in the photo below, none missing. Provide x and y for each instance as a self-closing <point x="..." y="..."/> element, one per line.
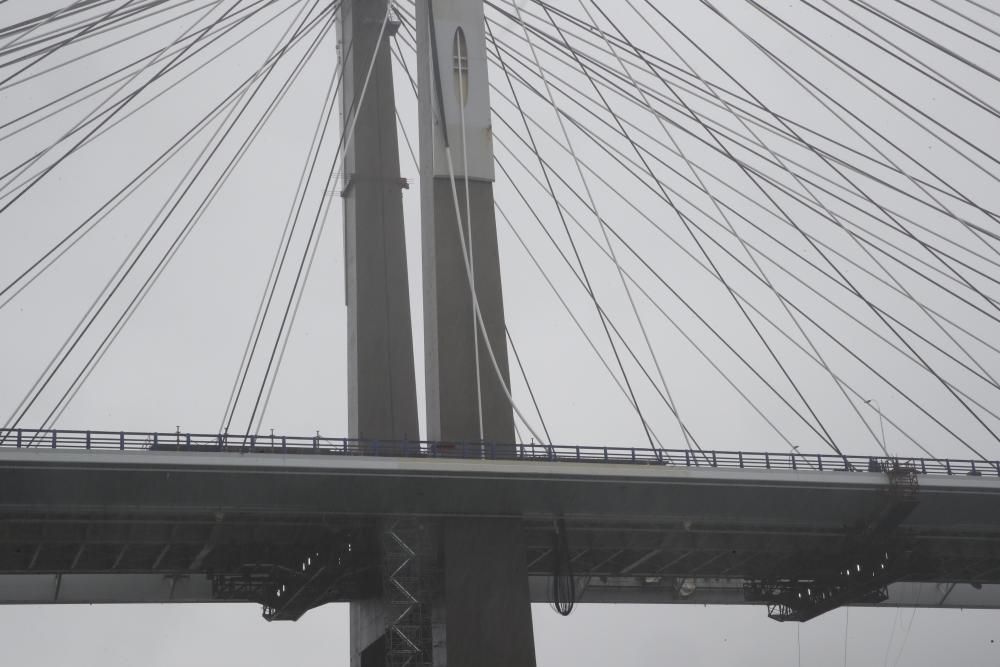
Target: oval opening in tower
<point x="460" y="60"/>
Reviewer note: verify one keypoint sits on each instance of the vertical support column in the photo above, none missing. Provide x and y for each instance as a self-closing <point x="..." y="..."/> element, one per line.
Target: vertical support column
<point x="382" y="384"/>
<point x="482" y="616"/>
<point x="382" y="401"/>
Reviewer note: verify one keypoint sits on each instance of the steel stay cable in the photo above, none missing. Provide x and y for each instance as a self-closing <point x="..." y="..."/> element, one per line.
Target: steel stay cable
<point x="113" y="44"/>
<point x="759" y="205"/>
<point x="873" y="84"/>
<point x="871" y="306"/>
<point x="593" y="347"/>
<point x="983" y="7"/>
<point x="78" y="35"/>
<point x="95" y="310"/>
<point x="621" y="276"/>
<point x="134" y="15"/>
<point x="974" y="414"/>
<point x="573" y="270"/>
<point x="712" y="329"/>
<point x="687" y="224"/>
<point x="15" y="173"/>
<point x="99" y="22"/>
<point x="834" y="218"/>
<point x="320" y="217"/>
<point x="121" y="119"/>
<point x="33" y="23"/>
<point x="975" y="22"/>
<point x="898" y="23"/>
<point x="603" y="318"/>
<point x="778" y="264"/>
<point x="271" y="64"/>
<point x="753" y="119"/>
<point x="527" y="383"/>
<point x="715" y="88"/>
<point x="661" y="69"/>
<point x="522" y="139"/>
<point x="284" y="246"/>
<point x="114" y="110"/>
<point x="825" y="99"/>
<point x="777" y="328"/>
<point x="697" y="347"/>
<point x="830" y="215"/>
<point x="780" y="330"/>
<point x="728" y="223"/>
<point x="575" y="100"/>
<point x="24" y="28"/>
<point x="621" y="159"/>
<point x="965" y="395"/>
<point x="593" y="297"/>
<point x="714" y="148"/>
<point x="144" y="175"/>
<point x="916" y="64"/>
<point x="147" y="286"/>
<point x="236" y="23"/>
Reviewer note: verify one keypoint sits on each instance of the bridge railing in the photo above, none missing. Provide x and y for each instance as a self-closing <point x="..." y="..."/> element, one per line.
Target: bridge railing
<point x="333" y="446"/>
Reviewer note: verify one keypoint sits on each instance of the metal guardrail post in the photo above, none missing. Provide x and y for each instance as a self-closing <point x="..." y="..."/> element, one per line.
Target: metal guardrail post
<point x="284" y="444"/>
<point x="156" y="441"/>
<point x="121" y="440"/>
<point x="741" y="459"/>
<point x="53" y="438"/>
<point x="19" y="438"/>
<point x="715" y="460"/>
<point x="819" y="460"/>
<point x="767" y="460"/>
<point x="947" y="466"/>
<point x="88" y="439"/>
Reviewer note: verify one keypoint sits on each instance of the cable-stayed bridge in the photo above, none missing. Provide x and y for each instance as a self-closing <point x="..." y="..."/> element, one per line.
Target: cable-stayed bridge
<point x="734" y="264"/>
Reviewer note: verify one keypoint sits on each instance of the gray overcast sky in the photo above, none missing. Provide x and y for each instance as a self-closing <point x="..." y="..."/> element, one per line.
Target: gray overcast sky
<point x="175" y="362"/>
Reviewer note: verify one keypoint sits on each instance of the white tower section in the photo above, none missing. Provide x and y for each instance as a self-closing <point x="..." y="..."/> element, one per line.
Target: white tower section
<point x="459" y="45"/>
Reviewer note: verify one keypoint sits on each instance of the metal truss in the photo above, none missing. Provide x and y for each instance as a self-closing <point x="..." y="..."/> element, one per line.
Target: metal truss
<point x="408" y="589"/>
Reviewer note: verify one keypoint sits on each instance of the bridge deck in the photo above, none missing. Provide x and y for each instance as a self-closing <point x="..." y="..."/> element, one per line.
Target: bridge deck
<point x="176" y="516"/>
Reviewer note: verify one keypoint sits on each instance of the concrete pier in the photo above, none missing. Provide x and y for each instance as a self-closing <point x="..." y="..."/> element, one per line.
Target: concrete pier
<point x="483" y="615"/>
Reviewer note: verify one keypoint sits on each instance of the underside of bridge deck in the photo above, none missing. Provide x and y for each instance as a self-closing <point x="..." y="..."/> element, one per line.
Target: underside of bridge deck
<point x="292" y="563"/>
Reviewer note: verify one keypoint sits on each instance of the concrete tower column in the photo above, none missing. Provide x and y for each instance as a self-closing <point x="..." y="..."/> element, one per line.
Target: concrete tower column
<point x="382" y="385"/>
<point x="482" y="617"/>
<point x="382" y="402"/>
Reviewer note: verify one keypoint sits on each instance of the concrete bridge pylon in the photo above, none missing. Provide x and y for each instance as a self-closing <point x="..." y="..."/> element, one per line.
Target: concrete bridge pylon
<point x="453" y="591"/>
